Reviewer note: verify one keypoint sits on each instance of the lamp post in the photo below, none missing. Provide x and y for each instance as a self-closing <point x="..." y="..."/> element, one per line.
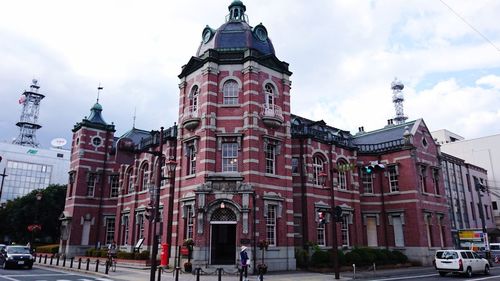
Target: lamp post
<point x="3" y="175"/>
<point x="481" y="188"/>
<point x="322" y="179"/>
<point x="155" y="197"/>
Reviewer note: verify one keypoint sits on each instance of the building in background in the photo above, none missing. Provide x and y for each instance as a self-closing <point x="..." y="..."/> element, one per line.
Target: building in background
<point x="468" y="205"/>
<point x="482" y="152"/>
<point x="28" y="168"/>
<point x="249" y="172"/>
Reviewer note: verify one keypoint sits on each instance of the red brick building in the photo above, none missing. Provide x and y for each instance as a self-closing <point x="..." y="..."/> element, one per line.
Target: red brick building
<point x="247" y="170"/>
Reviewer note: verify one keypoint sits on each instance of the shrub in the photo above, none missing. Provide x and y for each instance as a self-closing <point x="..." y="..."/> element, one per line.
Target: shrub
<point x="125" y="255"/>
<point x="400" y="257"/>
<point x="320" y="258"/>
<point x="353" y="258"/>
<point x="341" y="257"/>
<point x="52" y="249"/>
<point x="144" y="255"/>
<point x="302" y="257"/>
<point x="90" y="252"/>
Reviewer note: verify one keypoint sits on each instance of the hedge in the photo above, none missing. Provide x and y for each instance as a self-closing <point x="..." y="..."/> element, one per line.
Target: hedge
<point x="48" y="249"/>
<point x="358" y="256"/>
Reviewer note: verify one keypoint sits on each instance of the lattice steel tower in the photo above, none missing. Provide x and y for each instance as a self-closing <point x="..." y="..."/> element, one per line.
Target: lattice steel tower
<point x="28" y="124"/>
<point x="398" y="98"/>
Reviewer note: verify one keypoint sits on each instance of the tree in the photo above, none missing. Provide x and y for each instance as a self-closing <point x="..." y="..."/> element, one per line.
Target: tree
<point x="18" y="214"/>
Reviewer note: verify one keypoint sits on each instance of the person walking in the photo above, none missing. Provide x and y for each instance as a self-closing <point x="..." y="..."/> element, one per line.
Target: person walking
<point x="244" y="261"/>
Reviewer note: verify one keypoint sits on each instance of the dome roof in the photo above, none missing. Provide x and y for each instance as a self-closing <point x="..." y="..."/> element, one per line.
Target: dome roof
<point x="236" y="33"/>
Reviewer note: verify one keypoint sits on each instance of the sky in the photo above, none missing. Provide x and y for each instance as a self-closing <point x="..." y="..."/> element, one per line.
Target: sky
<point x="343" y="54"/>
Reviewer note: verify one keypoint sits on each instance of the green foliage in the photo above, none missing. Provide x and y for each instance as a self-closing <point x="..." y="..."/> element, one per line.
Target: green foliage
<point x="301" y="257"/>
<point x="125" y="255"/>
<point x="26" y="210"/>
<point x="144" y="255"/>
<point x="48" y="249"/>
<point x="400" y="257"/>
<point x="320" y="258"/>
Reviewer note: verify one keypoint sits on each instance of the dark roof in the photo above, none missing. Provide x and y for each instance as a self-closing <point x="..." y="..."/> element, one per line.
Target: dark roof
<point x="95" y="120"/>
<point x="136" y="135"/>
<point x="386" y="134"/>
<point x="95" y="114"/>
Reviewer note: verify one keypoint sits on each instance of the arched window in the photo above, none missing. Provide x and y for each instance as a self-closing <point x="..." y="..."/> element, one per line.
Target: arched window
<point x="270" y="95"/>
<point x="342" y="174"/>
<point x="318" y="166"/>
<point x="144" y="176"/>
<point x="130" y="181"/>
<point x="193" y="99"/>
<point x="230" y="91"/>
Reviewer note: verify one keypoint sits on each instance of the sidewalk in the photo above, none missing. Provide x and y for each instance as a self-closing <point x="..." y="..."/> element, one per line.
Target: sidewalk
<point x="136" y="274"/>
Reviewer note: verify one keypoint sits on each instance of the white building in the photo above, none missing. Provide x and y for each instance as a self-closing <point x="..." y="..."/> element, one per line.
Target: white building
<point x="29" y="168"/>
<point x="483" y="152"/>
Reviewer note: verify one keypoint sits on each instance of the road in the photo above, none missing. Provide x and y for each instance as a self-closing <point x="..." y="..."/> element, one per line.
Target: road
<point x="427" y="274"/>
<point x="42" y="274"/>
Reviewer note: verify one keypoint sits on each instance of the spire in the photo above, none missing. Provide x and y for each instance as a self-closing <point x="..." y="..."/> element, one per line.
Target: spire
<point x="135" y="111"/>
<point x="237" y="11"/>
<point x="99" y="88"/>
<point x="95" y="111"/>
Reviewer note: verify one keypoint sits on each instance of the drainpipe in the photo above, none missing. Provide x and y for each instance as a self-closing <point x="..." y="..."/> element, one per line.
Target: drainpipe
<point x="254" y="246"/>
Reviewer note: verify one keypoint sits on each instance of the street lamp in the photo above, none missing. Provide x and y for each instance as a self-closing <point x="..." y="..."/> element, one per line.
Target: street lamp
<point x="155" y="197"/>
<point x="481" y="188"/>
<point x="322" y="177"/>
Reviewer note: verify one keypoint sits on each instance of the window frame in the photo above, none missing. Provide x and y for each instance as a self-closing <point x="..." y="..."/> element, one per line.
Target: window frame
<point x="271" y="221"/>
<point x="318" y="166"/>
<point x="270" y="158"/>
<point x="230" y="95"/>
<point x="393" y="178"/>
<point x="229" y="157"/>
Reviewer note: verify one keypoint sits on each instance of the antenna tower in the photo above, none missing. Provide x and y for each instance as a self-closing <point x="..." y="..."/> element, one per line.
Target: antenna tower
<point x="398" y="98"/>
<point x="28" y="124"/>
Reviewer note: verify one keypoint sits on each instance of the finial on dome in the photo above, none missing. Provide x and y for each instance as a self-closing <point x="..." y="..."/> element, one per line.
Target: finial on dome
<point x="237" y="11"/>
<point x="99" y="88"/>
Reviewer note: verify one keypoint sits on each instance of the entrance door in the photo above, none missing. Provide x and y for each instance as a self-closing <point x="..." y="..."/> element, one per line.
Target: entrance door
<point x="223" y="244"/>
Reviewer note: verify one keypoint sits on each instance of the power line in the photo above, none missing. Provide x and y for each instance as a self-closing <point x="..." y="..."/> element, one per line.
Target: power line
<point x="470" y="25"/>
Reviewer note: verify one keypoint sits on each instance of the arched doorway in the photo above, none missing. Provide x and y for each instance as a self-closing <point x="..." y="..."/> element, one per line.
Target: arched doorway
<point x="223" y="236"/>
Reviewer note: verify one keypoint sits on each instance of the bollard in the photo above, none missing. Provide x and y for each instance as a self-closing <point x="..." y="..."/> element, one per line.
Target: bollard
<point x="64" y="261"/>
<point x="106" y="270"/>
<point x="51" y="258"/>
<point x="219" y="274"/>
<point x="159" y="273"/>
<point x="97" y="265"/>
<point x="79" y="263"/>
<point x="71" y="262"/>
<point x="197" y="270"/>
<point x="353" y="271"/>
<point x="45" y="260"/>
<point x="57" y="260"/>
<point x="374" y="268"/>
<point x="177" y="269"/>
<point x="88" y="263"/>
<point x="40" y="259"/>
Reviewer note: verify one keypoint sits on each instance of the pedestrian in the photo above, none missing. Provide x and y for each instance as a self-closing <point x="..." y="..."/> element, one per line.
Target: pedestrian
<point x="245" y="263"/>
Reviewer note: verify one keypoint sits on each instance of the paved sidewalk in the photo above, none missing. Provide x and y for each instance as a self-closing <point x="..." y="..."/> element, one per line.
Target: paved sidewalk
<point x="135" y="274"/>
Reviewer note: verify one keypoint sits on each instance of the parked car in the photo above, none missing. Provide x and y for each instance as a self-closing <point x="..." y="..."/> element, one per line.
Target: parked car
<point x="460" y="262"/>
<point x="13" y="256"/>
<point x="495" y="252"/>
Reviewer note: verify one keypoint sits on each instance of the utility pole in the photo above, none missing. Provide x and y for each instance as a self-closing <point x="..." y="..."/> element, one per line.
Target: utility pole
<point x="1" y="186"/>
<point x="481" y="188"/>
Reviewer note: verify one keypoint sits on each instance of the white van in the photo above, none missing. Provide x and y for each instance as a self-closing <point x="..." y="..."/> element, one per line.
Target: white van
<point x="460" y="261"/>
<point x="495" y="252"/>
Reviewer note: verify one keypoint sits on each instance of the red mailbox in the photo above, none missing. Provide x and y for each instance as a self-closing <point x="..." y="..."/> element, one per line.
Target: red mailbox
<point x="164" y="255"/>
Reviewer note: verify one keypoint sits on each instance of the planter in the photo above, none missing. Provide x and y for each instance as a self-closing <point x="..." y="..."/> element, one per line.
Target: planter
<point x="188" y="267"/>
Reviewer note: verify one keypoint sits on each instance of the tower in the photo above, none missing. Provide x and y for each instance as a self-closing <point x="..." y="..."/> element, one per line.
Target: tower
<point x="398" y="98"/>
<point x="28" y="124"/>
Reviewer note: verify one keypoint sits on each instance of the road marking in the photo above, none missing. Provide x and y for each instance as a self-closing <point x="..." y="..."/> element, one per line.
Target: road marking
<point x="405" y="277"/>
<point x="486" y="278"/>
<point x="9" y="278"/>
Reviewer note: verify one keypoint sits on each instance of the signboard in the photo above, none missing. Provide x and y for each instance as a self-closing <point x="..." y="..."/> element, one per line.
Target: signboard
<point x="474" y="239"/>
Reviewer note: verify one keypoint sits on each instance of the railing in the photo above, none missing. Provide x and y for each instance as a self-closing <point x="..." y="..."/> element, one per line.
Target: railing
<point x="381" y="147"/>
<point x="272" y="111"/>
<point x="150" y="141"/>
<point x="190" y="112"/>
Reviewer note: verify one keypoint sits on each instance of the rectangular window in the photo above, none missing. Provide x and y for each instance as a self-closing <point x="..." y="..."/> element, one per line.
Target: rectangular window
<point x="486" y="212"/>
<point x="191" y="155"/>
<point x="494" y="204"/>
<point x="367" y="181"/>
<point x="140" y="226"/>
<point x="428" y="228"/>
<point x="435" y="181"/>
<point x="230" y="157"/>
<point x="110" y="230"/>
<point x="91" y="181"/>
<point x="321" y="234"/>
<point x="271" y="225"/>
<point x="295" y="165"/>
<point x="344" y="228"/>
<point x="393" y="179"/>
<point x="114" y="185"/>
<point x="397" y="224"/>
<point x="422" y="177"/>
<point x="371" y="231"/>
<point x="125" y="229"/>
<point x="441" y="231"/>
<point x="189" y="222"/>
<point x="473" y="211"/>
<point x="342" y="180"/>
<point x="72" y="178"/>
<point x="270" y="158"/>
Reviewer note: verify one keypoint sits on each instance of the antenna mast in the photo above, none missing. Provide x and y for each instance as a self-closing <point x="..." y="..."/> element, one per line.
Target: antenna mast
<point x="398" y="98"/>
<point x="28" y="124"/>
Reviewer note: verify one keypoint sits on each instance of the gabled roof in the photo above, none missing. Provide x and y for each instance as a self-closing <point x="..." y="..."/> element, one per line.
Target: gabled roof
<point x="386" y="134"/>
<point x="136" y="135"/>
